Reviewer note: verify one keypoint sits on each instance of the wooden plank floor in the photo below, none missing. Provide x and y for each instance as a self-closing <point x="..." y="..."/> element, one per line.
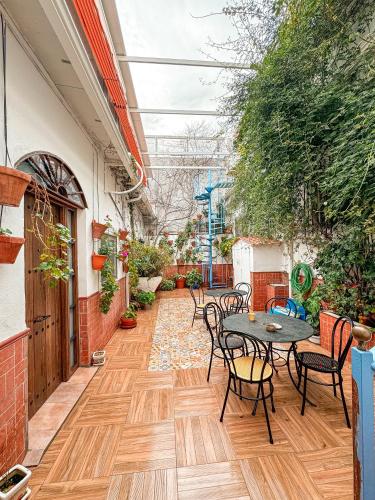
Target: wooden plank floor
<point x="136" y="434"/>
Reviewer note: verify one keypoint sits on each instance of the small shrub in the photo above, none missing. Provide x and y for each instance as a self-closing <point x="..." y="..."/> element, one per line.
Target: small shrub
<point x="194" y="278"/>
<point x="167" y="285"/>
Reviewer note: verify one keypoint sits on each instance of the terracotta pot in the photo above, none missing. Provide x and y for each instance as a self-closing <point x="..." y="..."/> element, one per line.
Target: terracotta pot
<point x="9" y="248"/>
<point x="123" y="234"/>
<point x="180" y="283"/>
<point x="13" y="184"/>
<point x="98" y="261"/>
<point x="98" y="230"/>
<point x="125" y="267"/>
<point x="128" y="323"/>
<point x="180" y="262"/>
<point x="170" y="242"/>
<point x="193" y="244"/>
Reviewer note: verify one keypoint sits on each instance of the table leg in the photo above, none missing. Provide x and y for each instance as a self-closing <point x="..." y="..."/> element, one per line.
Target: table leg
<point x="293" y="348"/>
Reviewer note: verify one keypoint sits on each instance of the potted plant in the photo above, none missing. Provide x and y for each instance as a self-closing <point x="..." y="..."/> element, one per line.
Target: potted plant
<point x="145" y="298"/>
<point x="129" y="319"/>
<point x="9" y="246"/>
<point x="13" y="184"/>
<point x="149" y="262"/>
<point x="167" y="285"/>
<point x="13" y="484"/>
<point x="123" y="234"/>
<point x="180" y="280"/>
<point x="199" y="216"/>
<point x="108" y="280"/>
<point x="228" y="229"/>
<point x="194" y="278"/>
<point x="99" y="229"/>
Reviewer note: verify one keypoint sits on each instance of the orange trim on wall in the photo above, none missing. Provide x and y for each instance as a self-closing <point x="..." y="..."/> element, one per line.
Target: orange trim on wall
<point x="90" y="20"/>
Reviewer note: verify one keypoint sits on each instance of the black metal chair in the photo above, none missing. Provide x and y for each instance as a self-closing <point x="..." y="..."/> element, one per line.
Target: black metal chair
<point x="231" y="303"/>
<point x="253" y="369"/>
<point x="321" y="363"/>
<point x="198" y="299"/>
<point x="290" y="309"/>
<point x="246" y="287"/>
<point x="213" y="317"/>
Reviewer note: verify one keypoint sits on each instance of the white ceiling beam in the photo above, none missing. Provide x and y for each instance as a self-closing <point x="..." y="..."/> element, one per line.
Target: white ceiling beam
<point x="184" y="137"/>
<point x="183" y="167"/>
<point x="211" y="155"/>
<point x="182" y="62"/>
<point x="163" y="111"/>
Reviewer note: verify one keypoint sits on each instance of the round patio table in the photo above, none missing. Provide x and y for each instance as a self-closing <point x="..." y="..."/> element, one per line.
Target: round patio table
<point x="293" y="331"/>
<point x="218" y="292"/>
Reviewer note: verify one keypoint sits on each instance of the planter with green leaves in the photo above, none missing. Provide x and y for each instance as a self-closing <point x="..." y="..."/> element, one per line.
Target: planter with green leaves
<point x="9" y="246"/>
<point x="167" y="285"/>
<point x="108" y="280"/>
<point x="194" y="279"/>
<point x="129" y="319"/>
<point x="180" y="280"/>
<point x="224" y="245"/>
<point x="145" y="298"/>
<point x="149" y="262"/>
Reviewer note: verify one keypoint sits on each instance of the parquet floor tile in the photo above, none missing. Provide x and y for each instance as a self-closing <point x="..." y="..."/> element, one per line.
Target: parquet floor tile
<point x="202" y="440"/>
<point x="145" y="447"/>
<point x="151" y="406"/>
<point x="146" y="380"/>
<point x="139" y="434"/>
<point x="195" y="401"/>
<point x="216" y="481"/>
<point x="103" y="409"/>
<point x="266" y="478"/>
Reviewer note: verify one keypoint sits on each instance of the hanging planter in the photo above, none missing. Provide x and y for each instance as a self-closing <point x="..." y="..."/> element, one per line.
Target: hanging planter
<point x="125" y="267"/>
<point x="199" y="216"/>
<point x="98" y="230"/>
<point x="9" y="248"/>
<point x="123" y="234"/>
<point x="98" y="261"/>
<point x="170" y="242"/>
<point x="13" y="184"/>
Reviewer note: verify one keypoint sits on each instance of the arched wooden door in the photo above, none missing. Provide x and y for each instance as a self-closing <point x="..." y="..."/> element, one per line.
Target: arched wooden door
<point x="51" y="312"/>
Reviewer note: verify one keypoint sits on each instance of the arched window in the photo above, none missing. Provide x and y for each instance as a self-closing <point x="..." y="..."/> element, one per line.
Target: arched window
<point x="54" y="175"/>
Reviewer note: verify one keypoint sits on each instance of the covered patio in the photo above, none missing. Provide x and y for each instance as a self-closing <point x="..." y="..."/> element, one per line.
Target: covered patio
<point x="137" y="432"/>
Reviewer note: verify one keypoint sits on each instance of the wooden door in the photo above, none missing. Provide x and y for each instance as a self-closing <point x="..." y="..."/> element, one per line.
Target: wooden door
<point x="44" y="317"/>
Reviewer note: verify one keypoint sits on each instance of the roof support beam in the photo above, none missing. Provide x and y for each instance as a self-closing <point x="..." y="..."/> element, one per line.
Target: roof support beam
<point x="185" y="137"/>
<point x="182" y="62"/>
<point x="176" y="112"/>
<point x="211" y="155"/>
<point x="183" y="167"/>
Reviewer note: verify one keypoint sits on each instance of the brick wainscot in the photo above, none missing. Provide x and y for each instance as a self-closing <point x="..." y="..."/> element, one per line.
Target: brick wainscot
<point x="13" y="400"/>
<point x="260" y="286"/>
<point x="97" y="328"/>
<point x="327" y="320"/>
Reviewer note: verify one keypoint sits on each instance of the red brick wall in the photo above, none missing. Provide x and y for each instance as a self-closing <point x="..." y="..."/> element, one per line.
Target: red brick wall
<point x="13" y="400"/>
<point x="259" y="282"/>
<point x="221" y="272"/>
<point x="277" y="291"/>
<point x="97" y="328"/>
<point x="327" y="320"/>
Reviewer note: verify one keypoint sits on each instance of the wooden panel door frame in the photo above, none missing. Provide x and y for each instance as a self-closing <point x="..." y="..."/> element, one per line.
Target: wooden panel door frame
<point x="68" y="370"/>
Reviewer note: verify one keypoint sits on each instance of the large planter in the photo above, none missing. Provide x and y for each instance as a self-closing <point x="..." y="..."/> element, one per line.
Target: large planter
<point x="20" y="476"/>
<point x="98" y="230"/>
<point x="180" y="283"/>
<point x="127" y="323"/>
<point x="149" y="284"/>
<point x="9" y="249"/>
<point x="123" y="234"/>
<point x="13" y="184"/>
<point x="98" y="261"/>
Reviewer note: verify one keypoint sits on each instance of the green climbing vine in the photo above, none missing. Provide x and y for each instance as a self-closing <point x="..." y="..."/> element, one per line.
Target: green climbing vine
<point x="306" y="140"/>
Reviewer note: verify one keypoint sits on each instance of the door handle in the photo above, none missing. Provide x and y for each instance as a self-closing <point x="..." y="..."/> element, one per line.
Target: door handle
<point x="38" y="319"/>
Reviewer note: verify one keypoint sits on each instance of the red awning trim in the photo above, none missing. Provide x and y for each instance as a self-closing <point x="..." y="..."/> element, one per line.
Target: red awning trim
<point x="97" y="39"/>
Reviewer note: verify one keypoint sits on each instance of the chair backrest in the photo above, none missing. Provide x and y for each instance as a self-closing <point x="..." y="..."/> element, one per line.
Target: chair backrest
<point x="247" y="288"/>
<point x="213" y="318"/>
<point x="253" y="347"/>
<point x="339" y="348"/>
<point x="231" y="303"/>
<point x="287" y="304"/>
<point x="197" y="295"/>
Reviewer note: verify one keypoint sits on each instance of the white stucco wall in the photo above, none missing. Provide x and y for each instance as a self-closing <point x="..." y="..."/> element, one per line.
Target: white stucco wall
<point x="39" y="121"/>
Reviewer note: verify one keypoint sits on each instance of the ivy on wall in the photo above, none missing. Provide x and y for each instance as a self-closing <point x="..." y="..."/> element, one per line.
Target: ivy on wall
<point x="306" y="138"/>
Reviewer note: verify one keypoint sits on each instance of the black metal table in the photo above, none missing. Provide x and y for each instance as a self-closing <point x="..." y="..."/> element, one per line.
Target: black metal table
<point x="293" y="331"/>
<point x="218" y="292"/>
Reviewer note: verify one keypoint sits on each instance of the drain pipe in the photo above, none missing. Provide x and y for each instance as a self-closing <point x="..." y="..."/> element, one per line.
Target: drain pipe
<point x="132" y="188"/>
<point x="133" y="200"/>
